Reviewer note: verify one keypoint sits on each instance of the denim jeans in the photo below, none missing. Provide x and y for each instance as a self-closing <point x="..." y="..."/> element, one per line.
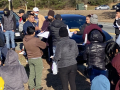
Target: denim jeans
<point x="93" y="72"/>
<point x="9" y="35"/>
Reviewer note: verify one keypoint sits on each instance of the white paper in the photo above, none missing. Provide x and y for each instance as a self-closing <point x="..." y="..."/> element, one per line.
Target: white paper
<point x="85" y="39"/>
<point x="44" y="34"/>
<point x="17" y="34"/>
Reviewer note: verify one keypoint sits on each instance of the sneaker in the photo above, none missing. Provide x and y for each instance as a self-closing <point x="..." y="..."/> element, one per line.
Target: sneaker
<point x="22" y="52"/>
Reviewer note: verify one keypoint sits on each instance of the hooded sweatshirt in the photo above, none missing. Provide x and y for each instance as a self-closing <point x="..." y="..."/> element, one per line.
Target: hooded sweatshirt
<point x="100" y="83"/>
<point x="13" y="74"/>
<point x="33" y="46"/>
<point x="89" y="28"/>
<point x="54" y="30"/>
<point x="116" y="64"/>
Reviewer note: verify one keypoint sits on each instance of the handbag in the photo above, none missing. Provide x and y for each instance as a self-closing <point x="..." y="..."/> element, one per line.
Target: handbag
<point x="54" y="68"/>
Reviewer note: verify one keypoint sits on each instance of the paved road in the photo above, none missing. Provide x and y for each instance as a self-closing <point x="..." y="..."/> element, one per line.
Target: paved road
<point x="108" y="27"/>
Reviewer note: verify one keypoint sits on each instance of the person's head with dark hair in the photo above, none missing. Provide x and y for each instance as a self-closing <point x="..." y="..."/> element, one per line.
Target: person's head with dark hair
<point x="51" y="14"/>
<point x="117" y="13"/>
<point x="112" y="48"/>
<point x="6" y="12"/>
<point x="88" y="19"/>
<point x="58" y="17"/>
<point x="31" y="30"/>
<point x="63" y="32"/>
<point x="21" y="12"/>
<point x="96" y="36"/>
<point x="31" y="17"/>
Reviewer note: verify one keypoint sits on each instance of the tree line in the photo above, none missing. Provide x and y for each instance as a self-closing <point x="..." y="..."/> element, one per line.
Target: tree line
<point x="53" y="4"/>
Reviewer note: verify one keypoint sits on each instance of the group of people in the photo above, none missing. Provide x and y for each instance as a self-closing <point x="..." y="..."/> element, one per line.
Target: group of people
<point x="102" y="58"/>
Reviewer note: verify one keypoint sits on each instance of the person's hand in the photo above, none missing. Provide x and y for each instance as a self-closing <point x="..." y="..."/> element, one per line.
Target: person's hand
<point x="116" y="17"/>
<point x="0" y="62"/>
<point x="75" y="32"/>
<point x="4" y="31"/>
<point x="41" y="31"/>
<point x="112" y="83"/>
<point x="37" y="28"/>
<point x="13" y="30"/>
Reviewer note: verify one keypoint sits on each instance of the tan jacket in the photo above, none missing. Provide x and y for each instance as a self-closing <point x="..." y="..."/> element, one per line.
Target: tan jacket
<point x="41" y="20"/>
<point x="33" y="46"/>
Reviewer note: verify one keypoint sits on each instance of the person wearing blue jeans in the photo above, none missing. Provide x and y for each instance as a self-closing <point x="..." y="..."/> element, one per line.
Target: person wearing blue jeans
<point x="9" y="26"/>
<point x="9" y="35"/>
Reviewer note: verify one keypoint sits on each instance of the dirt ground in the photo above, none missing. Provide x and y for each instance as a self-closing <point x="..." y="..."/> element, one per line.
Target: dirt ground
<point x="103" y="15"/>
<point x="52" y="82"/>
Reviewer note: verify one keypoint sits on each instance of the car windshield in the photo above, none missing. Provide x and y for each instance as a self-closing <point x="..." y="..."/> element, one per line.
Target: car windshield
<point x="74" y="23"/>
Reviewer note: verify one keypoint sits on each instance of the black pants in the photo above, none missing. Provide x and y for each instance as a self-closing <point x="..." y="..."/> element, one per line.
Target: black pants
<point x="68" y="74"/>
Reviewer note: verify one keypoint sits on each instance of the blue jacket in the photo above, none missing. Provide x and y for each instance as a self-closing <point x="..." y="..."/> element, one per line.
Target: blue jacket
<point x="27" y="24"/>
<point x="100" y="83"/>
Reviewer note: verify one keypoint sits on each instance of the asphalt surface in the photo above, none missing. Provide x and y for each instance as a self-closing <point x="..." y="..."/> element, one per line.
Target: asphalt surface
<point x="108" y="27"/>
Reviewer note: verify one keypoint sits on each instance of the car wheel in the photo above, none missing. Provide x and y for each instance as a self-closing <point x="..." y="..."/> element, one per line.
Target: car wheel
<point x="99" y="8"/>
<point x="107" y="8"/>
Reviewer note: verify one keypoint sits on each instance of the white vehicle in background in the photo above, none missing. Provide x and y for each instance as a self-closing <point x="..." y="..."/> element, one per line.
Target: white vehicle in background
<point x="102" y="7"/>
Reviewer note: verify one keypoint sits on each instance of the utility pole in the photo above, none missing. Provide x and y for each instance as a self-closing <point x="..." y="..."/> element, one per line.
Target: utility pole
<point x="35" y="2"/>
<point x="9" y="4"/>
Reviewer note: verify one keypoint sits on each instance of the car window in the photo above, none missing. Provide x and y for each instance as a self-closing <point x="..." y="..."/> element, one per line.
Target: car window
<point x="1" y="16"/>
<point x="16" y="16"/>
<point x="74" y="22"/>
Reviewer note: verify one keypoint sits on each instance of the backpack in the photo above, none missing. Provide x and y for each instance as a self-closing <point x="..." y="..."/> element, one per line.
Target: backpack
<point x="1" y="83"/>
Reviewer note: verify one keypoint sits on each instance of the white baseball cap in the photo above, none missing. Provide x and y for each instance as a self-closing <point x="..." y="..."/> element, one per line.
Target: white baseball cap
<point x="35" y="9"/>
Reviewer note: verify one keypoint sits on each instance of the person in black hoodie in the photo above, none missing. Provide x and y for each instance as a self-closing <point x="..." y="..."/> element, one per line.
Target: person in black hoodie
<point x="95" y="54"/>
<point x="116" y="23"/>
<point x="54" y="30"/>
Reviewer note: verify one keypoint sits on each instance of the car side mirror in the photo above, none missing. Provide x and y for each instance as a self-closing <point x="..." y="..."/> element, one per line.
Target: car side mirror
<point x="101" y="26"/>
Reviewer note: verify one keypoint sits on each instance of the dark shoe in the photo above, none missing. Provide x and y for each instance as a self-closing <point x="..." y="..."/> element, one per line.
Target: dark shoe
<point x="13" y="49"/>
<point x="40" y="88"/>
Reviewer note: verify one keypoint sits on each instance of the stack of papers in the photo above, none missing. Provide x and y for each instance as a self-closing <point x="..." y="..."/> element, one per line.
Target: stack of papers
<point x="44" y="34"/>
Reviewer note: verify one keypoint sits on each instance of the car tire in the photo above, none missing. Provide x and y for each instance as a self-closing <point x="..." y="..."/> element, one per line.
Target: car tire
<point x="99" y="8"/>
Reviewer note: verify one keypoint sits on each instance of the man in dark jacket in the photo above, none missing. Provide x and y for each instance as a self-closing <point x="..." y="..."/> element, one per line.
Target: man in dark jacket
<point x="9" y="26"/>
<point x="54" y="30"/>
<point x="48" y="21"/>
<point x="13" y="74"/>
<point x="30" y="22"/>
<point x="116" y="23"/>
<point x="95" y="54"/>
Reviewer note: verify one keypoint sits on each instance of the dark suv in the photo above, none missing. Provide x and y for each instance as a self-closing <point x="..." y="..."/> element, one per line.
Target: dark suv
<point x="115" y="7"/>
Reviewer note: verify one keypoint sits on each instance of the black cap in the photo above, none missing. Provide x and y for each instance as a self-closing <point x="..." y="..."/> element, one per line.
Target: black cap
<point x="63" y="32"/>
<point x="21" y="11"/>
<point x="58" y="16"/>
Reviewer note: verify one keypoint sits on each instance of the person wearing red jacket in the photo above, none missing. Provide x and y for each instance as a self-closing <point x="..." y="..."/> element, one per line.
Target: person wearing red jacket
<point x="92" y="26"/>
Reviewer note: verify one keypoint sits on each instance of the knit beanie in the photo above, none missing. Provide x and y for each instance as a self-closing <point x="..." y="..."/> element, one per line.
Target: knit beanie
<point x="63" y="32"/>
<point x="51" y="13"/>
<point x="94" y="19"/>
